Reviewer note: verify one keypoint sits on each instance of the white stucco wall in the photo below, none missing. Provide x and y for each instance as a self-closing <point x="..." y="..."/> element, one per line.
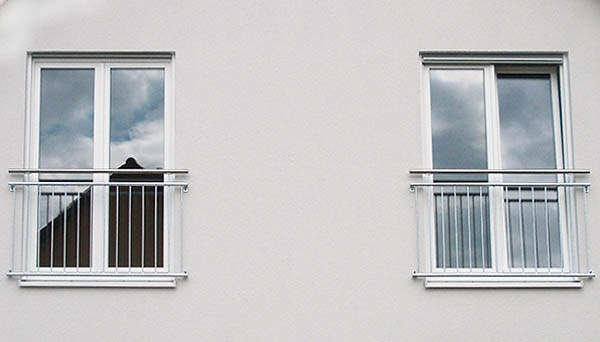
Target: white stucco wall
<point x="299" y="121"/>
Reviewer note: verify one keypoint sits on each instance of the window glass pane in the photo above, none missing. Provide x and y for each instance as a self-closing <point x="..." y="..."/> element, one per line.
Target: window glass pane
<point x="137" y="117"/>
<point x="136" y="142"/>
<point x="66" y="141"/>
<point x="66" y="118"/>
<point x="526" y="124"/>
<point x="458" y="121"/>
<point x="528" y="141"/>
<point x="459" y="142"/>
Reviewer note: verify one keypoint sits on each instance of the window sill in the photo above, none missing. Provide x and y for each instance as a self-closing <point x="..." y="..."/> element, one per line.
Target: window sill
<point x="84" y="279"/>
<point x="512" y="282"/>
<point x="98" y="281"/>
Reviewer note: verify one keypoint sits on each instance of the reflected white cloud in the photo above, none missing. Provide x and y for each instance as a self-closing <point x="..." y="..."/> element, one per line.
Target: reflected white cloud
<point x="145" y="143"/>
<point x="137" y="117"/>
<point x="63" y="151"/>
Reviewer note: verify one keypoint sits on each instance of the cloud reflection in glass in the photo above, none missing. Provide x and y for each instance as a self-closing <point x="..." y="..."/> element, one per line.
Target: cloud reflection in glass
<point x="137" y="117"/>
<point x="66" y="118"/>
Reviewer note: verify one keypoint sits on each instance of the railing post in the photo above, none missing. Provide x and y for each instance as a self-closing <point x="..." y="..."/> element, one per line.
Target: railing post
<point x="418" y="246"/>
<point x="14" y="229"/>
<point x="585" y="228"/>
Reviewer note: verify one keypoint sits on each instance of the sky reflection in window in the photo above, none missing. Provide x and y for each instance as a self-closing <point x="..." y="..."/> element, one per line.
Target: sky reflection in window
<point x="66" y="118"/>
<point x="137" y="117"/>
<point x="458" y="121"/>
<point x="526" y="124"/>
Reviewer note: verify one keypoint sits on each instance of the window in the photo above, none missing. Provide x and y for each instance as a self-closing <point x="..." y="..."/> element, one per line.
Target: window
<point x="499" y="199"/>
<point x="99" y="192"/>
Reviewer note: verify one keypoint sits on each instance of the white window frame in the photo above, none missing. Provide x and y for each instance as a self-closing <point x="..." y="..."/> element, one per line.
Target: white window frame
<point x="492" y="64"/>
<point x="102" y="64"/>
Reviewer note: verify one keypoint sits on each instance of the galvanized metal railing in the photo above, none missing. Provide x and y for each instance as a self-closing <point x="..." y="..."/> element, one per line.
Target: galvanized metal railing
<point x="58" y="224"/>
<point x="492" y="227"/>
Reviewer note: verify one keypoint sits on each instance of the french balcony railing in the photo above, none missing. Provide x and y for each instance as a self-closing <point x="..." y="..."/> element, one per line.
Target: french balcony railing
<point x="123" y="223"/>
<point x="526" y="224"/>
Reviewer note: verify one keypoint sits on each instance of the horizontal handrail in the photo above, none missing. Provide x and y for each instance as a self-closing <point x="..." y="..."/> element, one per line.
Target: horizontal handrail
<point x="97" y="184"/>
<point x="148" y="273"/>
<point x="495" y="184"/>
<point x="92" y="171"/>
<point x="499" y="171"/>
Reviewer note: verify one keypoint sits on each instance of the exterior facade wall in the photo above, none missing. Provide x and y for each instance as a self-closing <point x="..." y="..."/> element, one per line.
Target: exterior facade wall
<point x="299" y="121"/>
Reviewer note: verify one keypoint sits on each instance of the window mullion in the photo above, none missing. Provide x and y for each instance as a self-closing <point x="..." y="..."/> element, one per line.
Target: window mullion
<point x="497" y="224"/>
<point x="100" y="194"/>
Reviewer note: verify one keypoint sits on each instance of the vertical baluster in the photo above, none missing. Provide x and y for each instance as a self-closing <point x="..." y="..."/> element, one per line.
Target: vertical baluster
<point x="535" y="234"/>
<point x="52" y="232"/>
<point x="118" y="194"/>
<point x="474" y="225"/>
<point x="567" y="228"/>
<point x="170" y="208"/>
<point x="449" y="230"/>
<point x="78" y="229"/>
<point x="129" y="234"/>
<point x="106" y="209"/>
<point x="155" y="229"/>
<point x="507" y="224"/>
<point x="521" y="232"/>
<point x="456" y="231"/>
<point x="143" y="226"/>
<point x="65" y="231"/>
<point x="482" y="229"/>
<point x="469" y="228"/>
<point x="443" y="230"/>
<point x="91" y="230"/>
<point x="577" y="250"/>
<point x="547" y="228"/>
<point x="47" y="218"/>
